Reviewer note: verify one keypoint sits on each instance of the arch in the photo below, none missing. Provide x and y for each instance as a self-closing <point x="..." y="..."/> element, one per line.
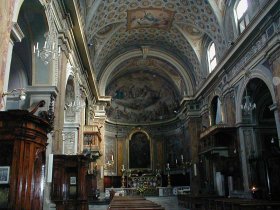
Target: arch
<point x="187" y="77"/>
<point x="261" y="72"/>
<point x="17" y="7"/>
<point x="18" y="74"/>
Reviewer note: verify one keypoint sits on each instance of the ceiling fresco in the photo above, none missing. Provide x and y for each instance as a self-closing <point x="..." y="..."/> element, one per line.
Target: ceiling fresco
<point x="108" y="27"/>
<point x="167" y="71"/>
<point x="149" y="18"/>
<point x="148" y="89"/>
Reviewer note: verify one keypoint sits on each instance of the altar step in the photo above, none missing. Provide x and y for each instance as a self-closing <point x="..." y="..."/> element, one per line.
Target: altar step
<point x="169" y="203"/>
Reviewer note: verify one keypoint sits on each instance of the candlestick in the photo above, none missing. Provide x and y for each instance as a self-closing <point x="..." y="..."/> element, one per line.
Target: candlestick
<point x="194" y="169"/>
<point x="123" y="176"/>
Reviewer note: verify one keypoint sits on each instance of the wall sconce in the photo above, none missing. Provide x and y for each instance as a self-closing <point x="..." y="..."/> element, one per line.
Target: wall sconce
<point x="20" y="92"/>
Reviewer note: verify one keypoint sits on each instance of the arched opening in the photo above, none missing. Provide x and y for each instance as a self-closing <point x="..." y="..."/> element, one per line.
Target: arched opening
<point x="264" y="160"/>
<point x="216" y="111"/>
<point x="31" y="24"/>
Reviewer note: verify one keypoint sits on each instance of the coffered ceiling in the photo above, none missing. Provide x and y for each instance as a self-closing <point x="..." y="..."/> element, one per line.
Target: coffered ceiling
<point x="167" y="35"/>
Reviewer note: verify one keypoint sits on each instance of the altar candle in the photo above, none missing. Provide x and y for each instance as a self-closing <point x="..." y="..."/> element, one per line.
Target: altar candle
<point x="122" y="166"/>
<point x="176" y="161"/>
<point x="167" y="165"/>
<point x="194" y="170"/>
<point x="112" y="157"/>
<point x="182" y="157"/>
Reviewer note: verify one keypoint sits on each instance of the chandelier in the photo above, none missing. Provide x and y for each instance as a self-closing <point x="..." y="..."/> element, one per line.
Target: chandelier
<point x="75" y="105"/>
<point x="48" y="52"/>
<point x="248" y="105"/>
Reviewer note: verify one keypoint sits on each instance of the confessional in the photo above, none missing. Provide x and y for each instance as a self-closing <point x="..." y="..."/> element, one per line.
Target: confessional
<point x="69" y="190"/>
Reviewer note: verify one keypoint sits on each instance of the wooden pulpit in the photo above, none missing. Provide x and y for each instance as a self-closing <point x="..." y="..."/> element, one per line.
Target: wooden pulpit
<point x="23" y="140"/>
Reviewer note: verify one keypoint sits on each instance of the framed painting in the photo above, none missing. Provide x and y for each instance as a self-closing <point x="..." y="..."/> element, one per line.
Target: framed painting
<point x="149" y="18"/>
<point x="73" y="180"/>
<point x="4" y="174"/>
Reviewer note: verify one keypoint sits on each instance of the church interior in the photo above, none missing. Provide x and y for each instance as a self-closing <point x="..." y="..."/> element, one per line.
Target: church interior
<point x="103" y="99"/>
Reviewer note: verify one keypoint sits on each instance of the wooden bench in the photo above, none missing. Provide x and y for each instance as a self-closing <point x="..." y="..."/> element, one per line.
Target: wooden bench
<point x="223" y="203"/>
<point x="130" y="202"/>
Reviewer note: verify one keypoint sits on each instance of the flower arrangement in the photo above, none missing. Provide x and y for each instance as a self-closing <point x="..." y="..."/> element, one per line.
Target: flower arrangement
<point x="141" y="189"/>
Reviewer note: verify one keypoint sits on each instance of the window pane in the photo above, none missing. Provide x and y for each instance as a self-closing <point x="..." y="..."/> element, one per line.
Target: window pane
<point x="211" y="56"/>
<point x="212" y="52"/>
<point x="213" y="64"/>
<point x="241" y="8"/>
<point x="242" y="26"/>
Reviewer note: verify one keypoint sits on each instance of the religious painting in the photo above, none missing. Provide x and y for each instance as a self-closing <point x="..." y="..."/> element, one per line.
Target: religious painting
<point x="110" y="155"/>
<point x="141" y="97"/>
<point x="73" y="180"/>
<point x="149" y="18"/>
<point x="4" y="174"/>
<point x="139" y="151"/>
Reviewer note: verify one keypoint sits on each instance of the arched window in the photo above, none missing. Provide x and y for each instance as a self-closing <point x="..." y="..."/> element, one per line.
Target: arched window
<point x="242" y="17"/>
<point x="212" y="62"/>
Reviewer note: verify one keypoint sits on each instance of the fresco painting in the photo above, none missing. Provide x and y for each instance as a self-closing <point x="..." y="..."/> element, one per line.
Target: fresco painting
<point x="149" y="18"/>
<point x="141" y="96"/>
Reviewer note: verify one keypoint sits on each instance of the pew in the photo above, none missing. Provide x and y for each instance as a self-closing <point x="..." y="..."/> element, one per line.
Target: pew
<point x="223" y="203"/>
<point x="131" y="202"/>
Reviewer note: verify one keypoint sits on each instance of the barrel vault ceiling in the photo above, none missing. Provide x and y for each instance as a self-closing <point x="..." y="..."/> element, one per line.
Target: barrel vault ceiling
<point x="147" y="54"/>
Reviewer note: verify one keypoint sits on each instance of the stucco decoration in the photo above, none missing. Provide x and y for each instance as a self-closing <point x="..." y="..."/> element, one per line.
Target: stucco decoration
<point x="141" y="97"/>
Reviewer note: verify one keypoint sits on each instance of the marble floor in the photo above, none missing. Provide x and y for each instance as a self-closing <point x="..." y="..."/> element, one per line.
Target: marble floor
<point x="169" y="203"/>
